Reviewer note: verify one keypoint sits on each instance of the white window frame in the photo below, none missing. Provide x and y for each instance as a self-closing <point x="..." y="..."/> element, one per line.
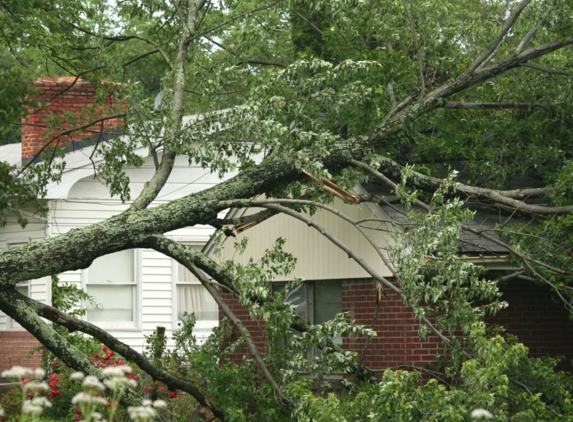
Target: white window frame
<point x="133" y="325"/>
<point x="10" y="323"/>
<point x="203" y="326"/>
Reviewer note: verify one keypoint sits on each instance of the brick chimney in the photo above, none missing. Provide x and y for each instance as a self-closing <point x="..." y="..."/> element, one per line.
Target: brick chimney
<point x="65" y="103"/>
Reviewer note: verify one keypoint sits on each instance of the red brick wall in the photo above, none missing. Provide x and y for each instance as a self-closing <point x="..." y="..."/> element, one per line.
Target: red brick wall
<point x="397" y="342"/>
<point x="14" y="348"/>
<point x="58" y="98"/>
<point x="256" y="328"/>
<point x="536" y="317"/>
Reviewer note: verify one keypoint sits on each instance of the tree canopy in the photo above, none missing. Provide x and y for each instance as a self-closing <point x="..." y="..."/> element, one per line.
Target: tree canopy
<point x="296" y="96"/>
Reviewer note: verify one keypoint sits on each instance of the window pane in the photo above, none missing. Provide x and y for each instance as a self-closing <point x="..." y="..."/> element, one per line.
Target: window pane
<point x="327" y="300"/>
<point x="299" y="298"/>
<point x="24" y="289"/>
<point x="185" y="276"/>
<point x="194" y="298"/>
<point x="116" y="267"/>
<point x="116" y="303"/>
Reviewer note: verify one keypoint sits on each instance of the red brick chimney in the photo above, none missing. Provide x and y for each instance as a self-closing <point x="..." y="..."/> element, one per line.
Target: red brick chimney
<point x="66" y="103"/>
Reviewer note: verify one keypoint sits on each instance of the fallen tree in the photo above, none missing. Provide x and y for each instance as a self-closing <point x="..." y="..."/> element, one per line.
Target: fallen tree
<point x="365" y="108"/>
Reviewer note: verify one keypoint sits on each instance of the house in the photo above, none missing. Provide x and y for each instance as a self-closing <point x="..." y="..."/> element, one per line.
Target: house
<point x="137" y="290"/>
<point x="335" y="283"/>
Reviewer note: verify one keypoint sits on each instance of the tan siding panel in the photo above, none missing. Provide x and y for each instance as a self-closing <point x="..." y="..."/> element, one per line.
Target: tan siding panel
<point x="318" y="258"/>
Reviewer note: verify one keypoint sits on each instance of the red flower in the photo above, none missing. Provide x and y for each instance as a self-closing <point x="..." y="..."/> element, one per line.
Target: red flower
<point x="172" y="395"/>
<point x="147" y="389"/>
<point x="100" y="364"/>
<point x="92" y="358"/>
<point x="78" y="419"/>
<point x="77" y="411"/>
<point x="108" y="404"/>
<point x="161" y="389"/>
<point x="25" y="381"/>
<point x="54" y="364"/>
<point x="105" y="349"/>
<point x="30" y="395"/>
<point x="14" y="404"/>
<point x="133" y="377"/>
<point x="97" y="356"/>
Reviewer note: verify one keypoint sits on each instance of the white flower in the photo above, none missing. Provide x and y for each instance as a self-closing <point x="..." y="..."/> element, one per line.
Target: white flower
<point x="1" y="412"/>
<point x="41" y="401"/>
<point x="159" y="403"/>
<point x="91" y="381"/>
<point x="39" y="373"/>
<point x="146" y="402"/>
<point x="113" y="371"/>
<point x="36" y="385"/>
<point x="117" y="370"/>
<point x="17" y="372"/>
<point x="29" y="408"/>
<point x="97" y="416"/>
<point x="118" y="382"/>
<point x="77" y="376"/>
<point x="115" y="383"/>
<point x="481" y="414"/>
<point x="83" y="397"/>
<point x="141" y="412"/>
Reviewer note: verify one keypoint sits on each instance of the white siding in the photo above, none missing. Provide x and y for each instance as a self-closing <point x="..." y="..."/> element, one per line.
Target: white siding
<point x="317" y="257"/>
<point x="13" y="233"/>
<point x="89" y="202"/>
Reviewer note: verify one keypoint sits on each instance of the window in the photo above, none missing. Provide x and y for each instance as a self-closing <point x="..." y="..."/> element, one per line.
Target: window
<point x="317" y="301"/>
<point x="111" y="281"/>
<point x="192" y="297"/>
<point x="23" y="288"/>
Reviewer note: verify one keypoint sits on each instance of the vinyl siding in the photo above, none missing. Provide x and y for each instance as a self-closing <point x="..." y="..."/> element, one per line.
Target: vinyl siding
<point x="13" y="233"/>
<point x="317" y="257"/>
<point x="89" y="202"/>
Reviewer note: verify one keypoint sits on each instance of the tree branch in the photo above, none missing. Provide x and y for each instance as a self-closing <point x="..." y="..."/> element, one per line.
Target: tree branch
<point x="546" y="69"/>
<point x="480" y="233"/>
<point x="418" y="49"/>
<point x="511" y="199"/>
<point x="481" y="106"/>
<point x="74" y="358"/>
<point x="483" y="58"/>
<point x="247" y="61"/>
<point x="163" y="171"/>
<point x="241" y="15"/>
<point x="242" y="329"/>
<point x="171" y="248"/>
